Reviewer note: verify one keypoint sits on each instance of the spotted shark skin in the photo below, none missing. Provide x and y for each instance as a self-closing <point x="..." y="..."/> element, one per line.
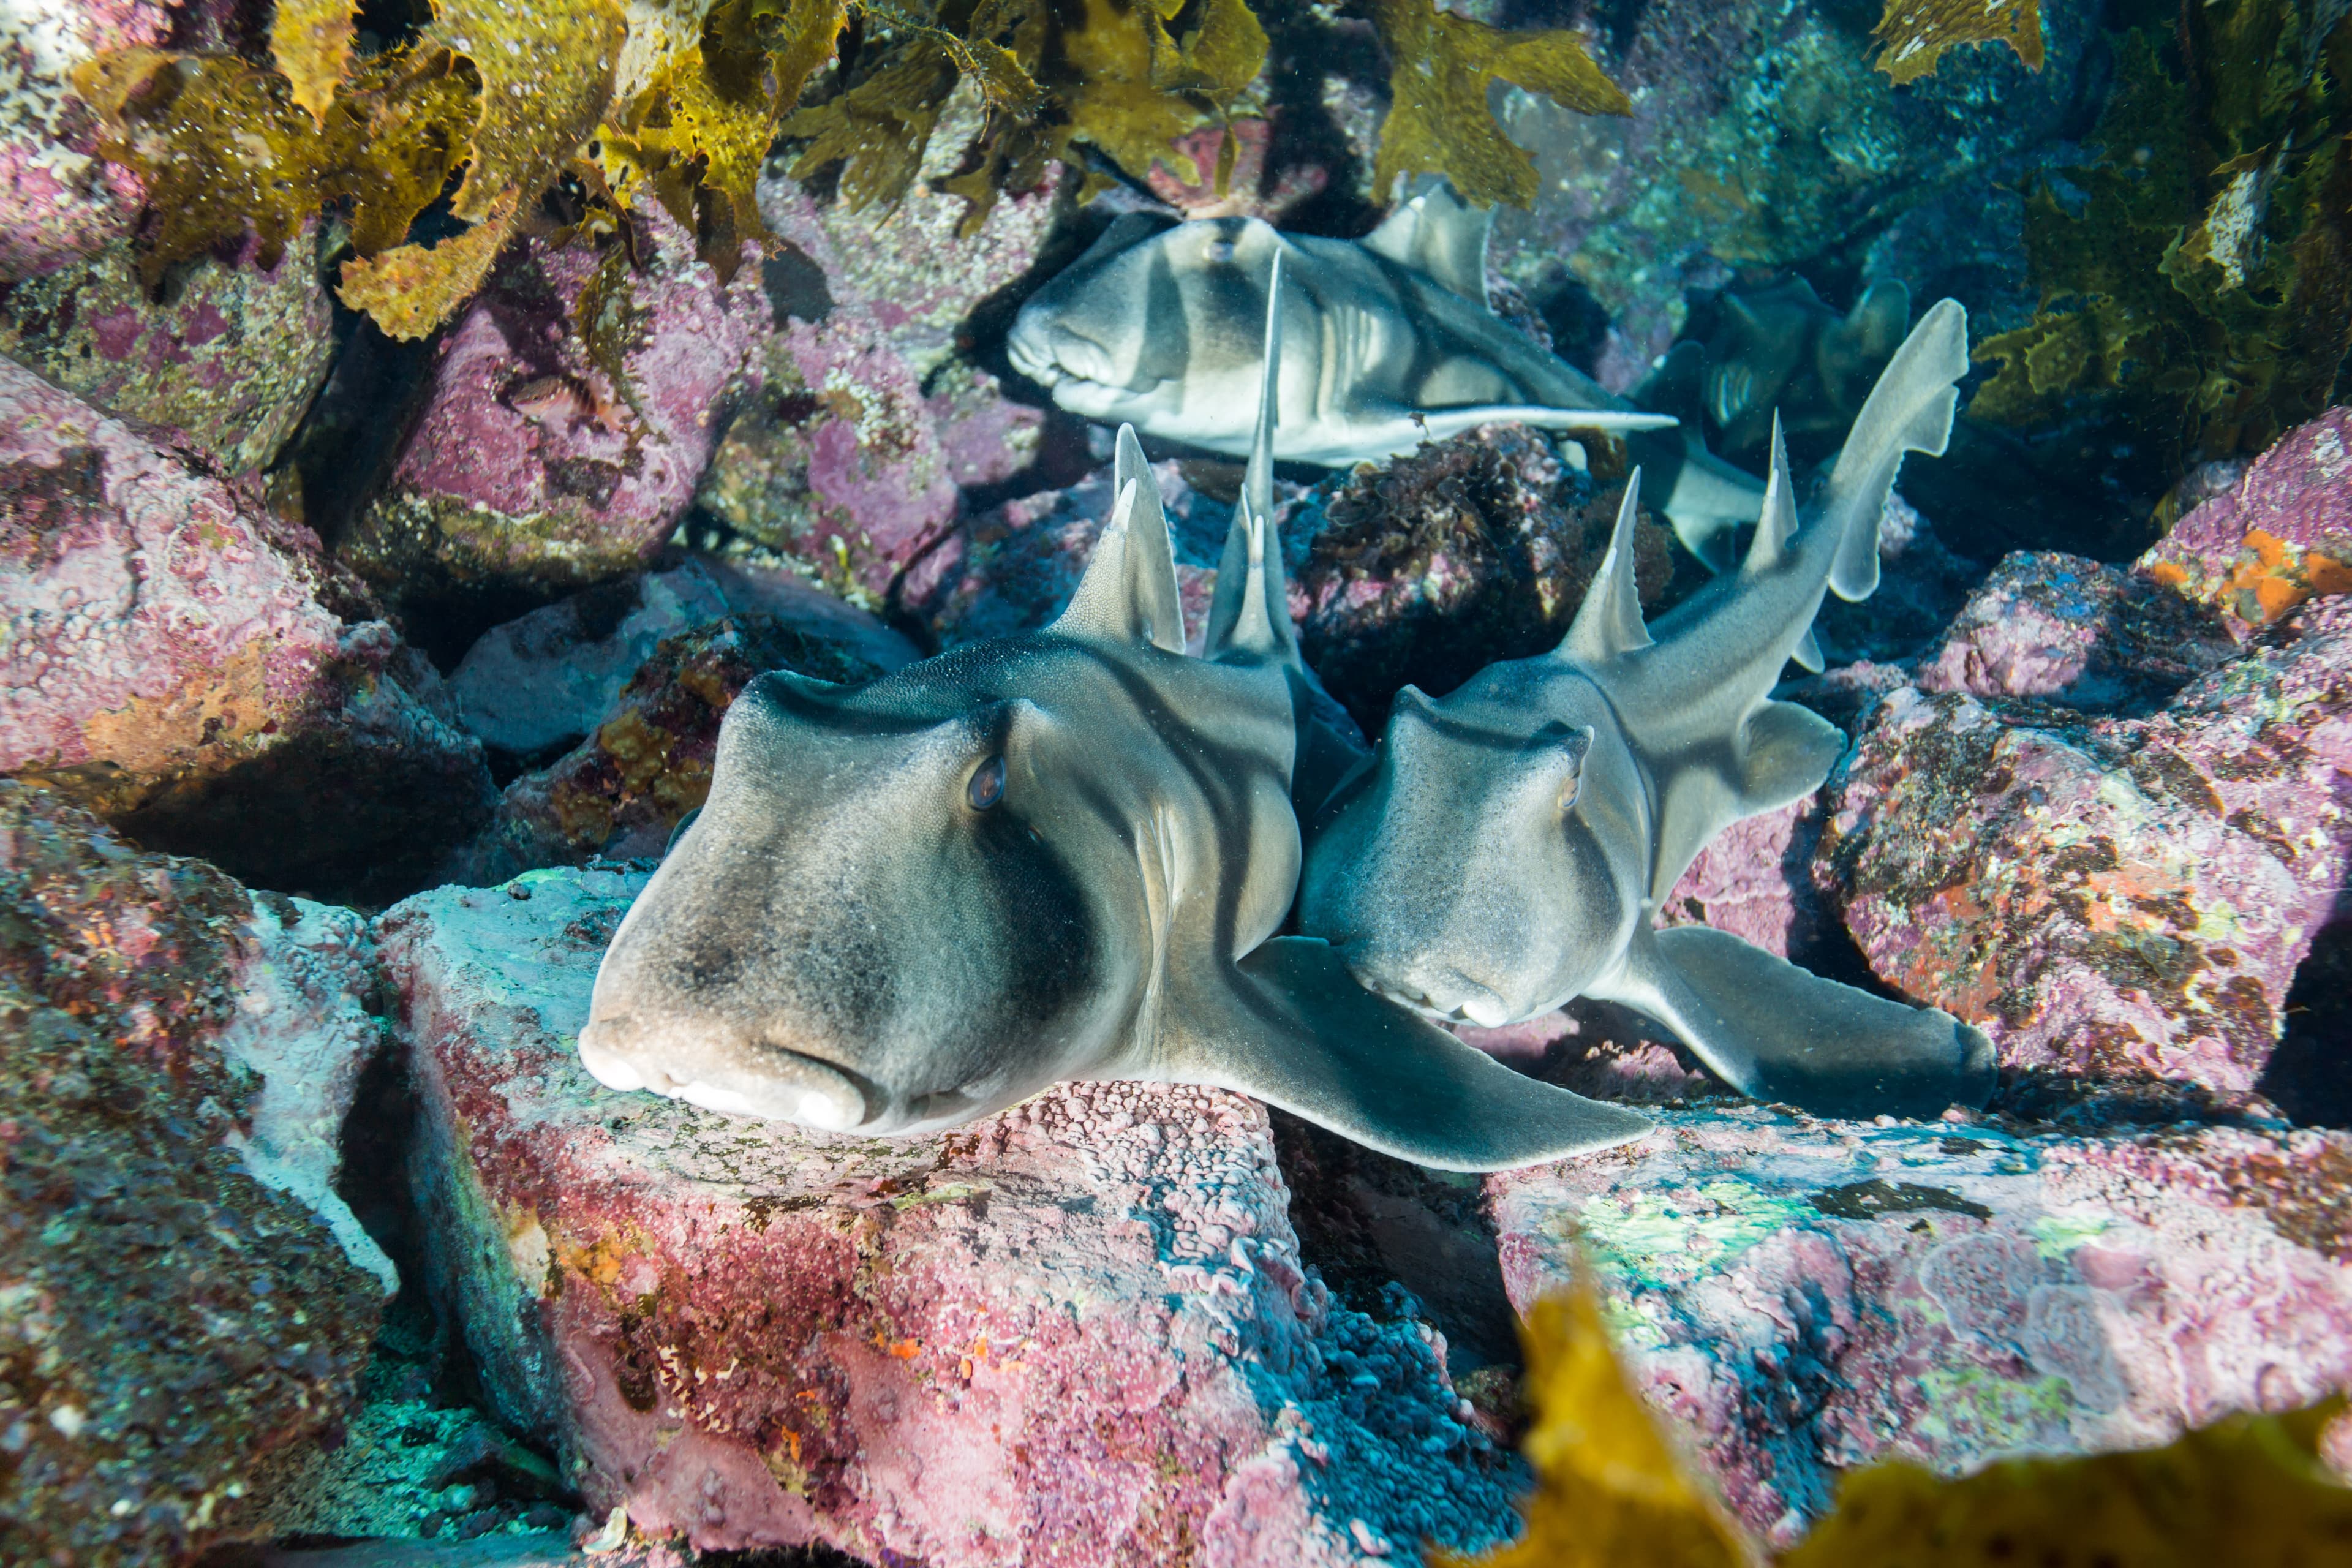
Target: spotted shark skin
<point x="1388" y="342"/>
<point x="1063" y="855"/>
<point x="1510" y="846"/>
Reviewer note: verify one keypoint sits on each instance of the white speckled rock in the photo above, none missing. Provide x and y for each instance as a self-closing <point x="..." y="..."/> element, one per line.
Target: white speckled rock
<point x="1802" y="1297"/>
<point x="1078" y="1332"/>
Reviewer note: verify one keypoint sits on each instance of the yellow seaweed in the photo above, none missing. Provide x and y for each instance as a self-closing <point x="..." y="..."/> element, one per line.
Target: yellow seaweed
<point x="1913" y="33"/>
<point x="311" y="41"/>
<point x="413" y="289"/>
<point x="1440" y="67"/>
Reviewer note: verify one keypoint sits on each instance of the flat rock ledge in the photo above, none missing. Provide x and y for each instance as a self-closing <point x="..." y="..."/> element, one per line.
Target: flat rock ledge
<point x="1078" y="1333"/>
<point x="1801" y="1298"/>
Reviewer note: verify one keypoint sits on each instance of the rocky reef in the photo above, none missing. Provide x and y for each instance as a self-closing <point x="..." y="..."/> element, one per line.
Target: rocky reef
<point x="419" y="424"/>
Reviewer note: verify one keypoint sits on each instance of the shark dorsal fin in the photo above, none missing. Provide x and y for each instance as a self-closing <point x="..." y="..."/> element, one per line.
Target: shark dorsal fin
<point x="1129" y="592"/>
<point x="1609" y="622"/>
<point x="1776" y="525"/>
<point x="1251" y="608"/>
<point x="1439" y="235"/>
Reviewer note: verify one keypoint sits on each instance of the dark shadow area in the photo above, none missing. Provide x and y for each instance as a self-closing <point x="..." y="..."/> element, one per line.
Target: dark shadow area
<point x="2310" y="1072"/>
<point x="1370" y="1224"/>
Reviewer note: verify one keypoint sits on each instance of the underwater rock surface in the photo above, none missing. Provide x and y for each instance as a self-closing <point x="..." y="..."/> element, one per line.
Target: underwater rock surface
<point x="1801" y="1296"/>
<point x="182" y="1293"/>
<point x="172" y="659"/>
<point x="1079" y="1331"/>
<point x="2279" y="535"/>
<point x="57" y="201"/>
<point x="572" y="408"/>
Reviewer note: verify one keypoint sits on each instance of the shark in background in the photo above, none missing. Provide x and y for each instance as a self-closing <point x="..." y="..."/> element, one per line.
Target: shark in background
<point x="1388" y="342"/>
<point x="1510" y="846"/>
<point x="1062" y="855"/>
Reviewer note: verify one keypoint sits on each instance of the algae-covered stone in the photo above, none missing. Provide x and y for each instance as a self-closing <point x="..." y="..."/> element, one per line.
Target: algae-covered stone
<point x="230" y="357"/>
<point x="182" y="1293"/>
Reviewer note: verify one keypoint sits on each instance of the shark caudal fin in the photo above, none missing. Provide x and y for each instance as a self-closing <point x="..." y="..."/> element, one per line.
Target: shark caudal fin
<point x="1909" y="410"/>
<point x="1609" y="623"/>
<point x="1250" y="611"/>
<point x="1129" y="592"/>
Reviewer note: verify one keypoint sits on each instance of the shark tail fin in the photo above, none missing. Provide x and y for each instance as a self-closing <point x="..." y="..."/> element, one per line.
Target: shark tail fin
<point x="1251" y="608"/>
<point x="1910" y="410"/>
<point x="1129" y="593"/>
<point x="1609" y="622"/>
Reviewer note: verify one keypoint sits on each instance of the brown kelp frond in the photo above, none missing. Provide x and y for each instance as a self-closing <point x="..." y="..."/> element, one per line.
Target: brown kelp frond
<point x="2196" y="280"/>
<point x="1913" y="33"/>
<point x="1440" y="65"/>
<point x="1611" y="1489"/>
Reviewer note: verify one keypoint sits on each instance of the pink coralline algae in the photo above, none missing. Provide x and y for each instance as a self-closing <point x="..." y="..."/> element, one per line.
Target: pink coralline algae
<point x="57" y="201"/>
<point x="168" y="658"/>
<point x="2279" y="535"/>
<point x="1078" y="1332"/>
<point x="1803" y="1298"/>
<point x="228" y="360"/>
<point x="181" y="1294"/>
<point x="1753" y="879"/>
<point x="2119" y="900"/>
<point x="849" y="465"/>
<point x="529" y="463"/>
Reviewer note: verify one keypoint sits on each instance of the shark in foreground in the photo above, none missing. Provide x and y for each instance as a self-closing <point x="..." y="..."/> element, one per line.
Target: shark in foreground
<point x="1510" y="845"/>
<point x="1063" y="855"/>
<point x="1390" y="343"/>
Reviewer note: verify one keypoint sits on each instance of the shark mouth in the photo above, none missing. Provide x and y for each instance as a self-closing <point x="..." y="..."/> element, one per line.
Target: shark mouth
<point x="785" y="1087"/>
<point x="1482" y="1008"/>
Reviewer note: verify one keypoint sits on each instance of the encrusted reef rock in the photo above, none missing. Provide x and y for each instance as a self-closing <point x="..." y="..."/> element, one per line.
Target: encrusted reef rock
<point x="1467" y="551"/>
<point x="2279" y="535"/>
<point x="2119" y="898"/>
<point x="170" y="657"/>
<point x="573" y="409"/>
<point x="1078" y="1332"/>
<point x="182" y="1293"/>
<point x="228" y="360"/>
<point x="548" y="677"/>
<point x="57" y="201"/>
<point x="849" y="462"/>
<point x="1801" y="1298"/>
<point x="622" y="790"/>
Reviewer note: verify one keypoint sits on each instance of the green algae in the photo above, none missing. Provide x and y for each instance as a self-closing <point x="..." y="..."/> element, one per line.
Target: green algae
<point x="2056" y="1235"/>
<point x="1731" y="1217"/>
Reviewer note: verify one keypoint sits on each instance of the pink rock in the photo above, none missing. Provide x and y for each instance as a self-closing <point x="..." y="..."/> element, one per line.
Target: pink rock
<point x="1753" y="879"/>
<point x="168" y="660"/>
<point x="851" y="465"/>
<point x="2113" y="900"/>
<point x="1078" y="1332"/>
<point x="182" y="1294"/>
<point x="528" y="465"/>
<point x="1798" y="1298"/>
<point x="2280" y="535"/>
<point x="1248" y="192"/>
<point x="57" y="201"/>
<point x="229" y="360"/>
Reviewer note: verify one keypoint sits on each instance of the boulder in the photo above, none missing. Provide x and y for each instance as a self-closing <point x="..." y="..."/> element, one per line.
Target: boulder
<point x="539" y="466"/>
<point x="182" y="1293"/>
<point x="1078" y="1331"/>
<point x="1797" y="1298"/>
<point x="228" y="360"/>
<point x="57" y="201"/>
<point x="2278" y="535"/>
<point x="173" y="659"/>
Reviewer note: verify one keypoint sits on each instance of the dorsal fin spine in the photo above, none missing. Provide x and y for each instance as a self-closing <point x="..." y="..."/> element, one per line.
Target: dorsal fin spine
<point x="1251" y="608"/>
<point x="1609" y="623"/>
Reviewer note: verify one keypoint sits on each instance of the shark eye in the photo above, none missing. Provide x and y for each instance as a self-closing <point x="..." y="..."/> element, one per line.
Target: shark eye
<point x="987" y="785"/>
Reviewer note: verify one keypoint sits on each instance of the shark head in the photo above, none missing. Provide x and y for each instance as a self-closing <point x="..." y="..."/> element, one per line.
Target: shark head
<point x="1477" y="870"/>
<point x="1159" y="325"/>
<point x="887" y="918"/>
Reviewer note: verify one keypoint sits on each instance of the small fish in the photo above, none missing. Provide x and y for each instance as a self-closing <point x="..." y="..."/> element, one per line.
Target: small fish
<point x="1510" y="846"/>
<point x="1063" y="855"/>
<point x="1389" y="343"/>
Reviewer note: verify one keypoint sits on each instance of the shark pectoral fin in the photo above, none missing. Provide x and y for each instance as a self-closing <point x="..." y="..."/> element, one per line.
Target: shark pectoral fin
<point x="1779" y="1033"/>
<point x="1129" y="593"/>
<point x="1446" y="423"/>
<point x="1290" y="1026"/>
<point x="1785" y="754"/>
<point x="1808" y="653"/>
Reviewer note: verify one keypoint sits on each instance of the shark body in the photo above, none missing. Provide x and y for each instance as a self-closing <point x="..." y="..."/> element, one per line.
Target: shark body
<point x="1388" y="342"/>
<point x="1063" y="855"/>
<point x="1511" y="844"/>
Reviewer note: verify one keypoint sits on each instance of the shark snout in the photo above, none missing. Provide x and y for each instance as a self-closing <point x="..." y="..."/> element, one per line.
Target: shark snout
<point x="1436" y="990"/>
<point x="704" y="1063"/>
